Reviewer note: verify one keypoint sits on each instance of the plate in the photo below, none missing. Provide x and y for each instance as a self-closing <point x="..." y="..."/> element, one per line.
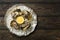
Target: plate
<point x="20" y="20"/>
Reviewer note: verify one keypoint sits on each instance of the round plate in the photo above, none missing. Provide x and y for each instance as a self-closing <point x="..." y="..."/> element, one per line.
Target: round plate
<point x="20" y="20"/>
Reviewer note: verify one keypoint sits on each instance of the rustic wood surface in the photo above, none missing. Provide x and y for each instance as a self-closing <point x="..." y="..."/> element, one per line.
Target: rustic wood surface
<point x="48" y="16"/>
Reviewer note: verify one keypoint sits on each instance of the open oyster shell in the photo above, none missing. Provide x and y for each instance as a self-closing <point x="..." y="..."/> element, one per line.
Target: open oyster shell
<point x="20" y="20"/>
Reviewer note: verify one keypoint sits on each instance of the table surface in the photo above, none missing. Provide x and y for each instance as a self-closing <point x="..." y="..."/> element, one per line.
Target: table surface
<point x="48" y="17"/>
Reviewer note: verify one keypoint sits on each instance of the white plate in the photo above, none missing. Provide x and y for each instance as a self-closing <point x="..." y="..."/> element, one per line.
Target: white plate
<point x="8" y="19"/>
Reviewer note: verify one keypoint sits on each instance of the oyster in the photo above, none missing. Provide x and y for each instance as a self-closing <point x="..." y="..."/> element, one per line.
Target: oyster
<point x="20" y="20"/>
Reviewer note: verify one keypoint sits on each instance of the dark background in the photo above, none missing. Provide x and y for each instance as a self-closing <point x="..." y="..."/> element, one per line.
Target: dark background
<point x="48" y="16"/>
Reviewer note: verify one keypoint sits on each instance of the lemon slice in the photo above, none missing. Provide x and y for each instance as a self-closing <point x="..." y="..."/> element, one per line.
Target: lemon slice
<point x="20" y="19"/>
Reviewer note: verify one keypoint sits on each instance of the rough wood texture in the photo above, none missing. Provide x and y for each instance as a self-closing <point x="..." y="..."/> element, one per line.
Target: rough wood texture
<point x="48" y="16"/>
<point x="29" y="0"/>
<point x="40" y="9"/>
<point x="36" y="35"/>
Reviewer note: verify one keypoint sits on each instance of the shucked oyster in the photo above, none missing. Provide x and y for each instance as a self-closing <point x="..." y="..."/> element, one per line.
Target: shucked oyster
<point x="20" y="20"/>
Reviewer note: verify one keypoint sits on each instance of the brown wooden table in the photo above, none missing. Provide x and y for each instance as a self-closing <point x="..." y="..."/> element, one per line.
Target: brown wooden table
<point x="48" y="16"/>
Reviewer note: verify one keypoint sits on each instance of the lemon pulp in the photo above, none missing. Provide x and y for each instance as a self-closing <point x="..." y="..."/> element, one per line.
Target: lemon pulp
<point x="20" y="19"/>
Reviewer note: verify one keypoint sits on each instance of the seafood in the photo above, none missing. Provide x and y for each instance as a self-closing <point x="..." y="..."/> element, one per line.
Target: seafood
<point x="20" y="20"/>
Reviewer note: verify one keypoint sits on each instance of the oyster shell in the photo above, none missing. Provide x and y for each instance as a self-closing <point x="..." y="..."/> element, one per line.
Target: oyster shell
<point x="20" y="20"/>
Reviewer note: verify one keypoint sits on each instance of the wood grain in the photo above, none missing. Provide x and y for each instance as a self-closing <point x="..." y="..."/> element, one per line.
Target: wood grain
<point x="36" y="35"/>
<point x="43" y="23"/>
<point x="48" y="17"/>
<point x="40" y="9"/>
<point x="30" y="1"/>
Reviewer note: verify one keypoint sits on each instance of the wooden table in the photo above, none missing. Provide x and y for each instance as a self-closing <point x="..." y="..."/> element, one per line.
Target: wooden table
<point x="48" y="16"/>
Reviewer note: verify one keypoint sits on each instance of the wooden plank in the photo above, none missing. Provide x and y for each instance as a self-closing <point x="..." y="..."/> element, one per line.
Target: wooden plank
<point x="48" y="23"/>
<point x="20" y="0"/>
<point x="40" y="9"/>
<point x="30" y="1"/>
<point x="43" y="23"/>
<point x="36" y="35"/>
<point x="46" y="14"/>
<point x="2" y="23"/>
